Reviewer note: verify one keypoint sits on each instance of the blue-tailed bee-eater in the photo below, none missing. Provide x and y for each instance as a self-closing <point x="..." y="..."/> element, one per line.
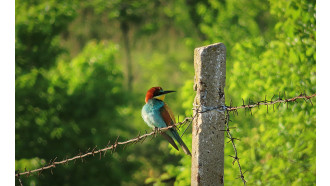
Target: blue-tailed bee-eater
<point x="157" y="114"/>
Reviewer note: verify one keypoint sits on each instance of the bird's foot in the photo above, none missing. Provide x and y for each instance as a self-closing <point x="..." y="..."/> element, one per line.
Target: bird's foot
<point x="156" y="130"/>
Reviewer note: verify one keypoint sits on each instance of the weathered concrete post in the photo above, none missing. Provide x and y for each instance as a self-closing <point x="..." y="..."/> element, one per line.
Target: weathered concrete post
<point x="207" y="136"/>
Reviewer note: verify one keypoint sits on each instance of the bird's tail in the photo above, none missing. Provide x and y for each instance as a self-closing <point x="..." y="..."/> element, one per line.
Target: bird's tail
<point x="179" y="140"/>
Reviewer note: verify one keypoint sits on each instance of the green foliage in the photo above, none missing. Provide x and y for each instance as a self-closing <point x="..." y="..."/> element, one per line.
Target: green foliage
<point x="37" y="30"/>
<point x="66" y="105"/>
<point x="70" y="94"/>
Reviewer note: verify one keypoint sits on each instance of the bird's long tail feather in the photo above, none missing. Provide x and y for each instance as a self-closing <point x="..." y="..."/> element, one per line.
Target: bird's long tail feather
<point x="179" y="140"/>
<point x="169" y="139"/>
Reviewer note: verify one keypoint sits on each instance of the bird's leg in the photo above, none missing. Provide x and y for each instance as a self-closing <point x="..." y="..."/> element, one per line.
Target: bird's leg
<point x="156" y="130"/>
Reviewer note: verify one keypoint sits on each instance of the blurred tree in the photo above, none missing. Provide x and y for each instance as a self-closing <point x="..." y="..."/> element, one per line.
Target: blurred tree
<point x="130" y="16"/>
<point x="38" y="25"/>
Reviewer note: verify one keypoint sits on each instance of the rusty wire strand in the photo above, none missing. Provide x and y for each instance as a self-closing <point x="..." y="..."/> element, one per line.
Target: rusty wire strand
<point x="190" y="122"/>
<point x="113" y="147"/>
<point x="250" y="106"/>
<point x="229" y="135"/>
<point x="19" y="178"/>
<point x="271" y="102"/>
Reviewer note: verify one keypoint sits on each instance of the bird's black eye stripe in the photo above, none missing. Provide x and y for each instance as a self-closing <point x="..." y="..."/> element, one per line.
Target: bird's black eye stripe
<point x="158" y="92"/>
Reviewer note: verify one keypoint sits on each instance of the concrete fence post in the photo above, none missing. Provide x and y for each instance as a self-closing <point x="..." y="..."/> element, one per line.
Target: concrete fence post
<point x="207" y="134"/>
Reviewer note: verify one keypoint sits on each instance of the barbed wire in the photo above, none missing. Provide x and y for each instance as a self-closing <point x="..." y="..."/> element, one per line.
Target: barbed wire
<point x="140" y="138"/>
<point x="231" y="139"/>
<point x="19" y="179"/>
<point x="227" y="109"/>
<point x="253" y="105"/>
<point x="272" y="102"/>
<point x="53" y="163"/>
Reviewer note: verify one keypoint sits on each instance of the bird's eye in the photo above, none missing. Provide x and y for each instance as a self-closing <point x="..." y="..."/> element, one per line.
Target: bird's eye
<point x="158" y="92"/>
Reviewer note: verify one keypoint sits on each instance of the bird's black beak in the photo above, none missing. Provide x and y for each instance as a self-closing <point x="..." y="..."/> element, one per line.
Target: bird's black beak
<point x="166" y="92"/>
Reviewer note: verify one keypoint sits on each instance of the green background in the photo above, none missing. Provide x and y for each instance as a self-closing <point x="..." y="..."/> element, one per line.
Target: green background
<point x="82" y="69"/>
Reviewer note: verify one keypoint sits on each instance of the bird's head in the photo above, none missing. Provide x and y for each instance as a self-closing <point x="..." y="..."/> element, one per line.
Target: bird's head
<point x="157" y="93"/>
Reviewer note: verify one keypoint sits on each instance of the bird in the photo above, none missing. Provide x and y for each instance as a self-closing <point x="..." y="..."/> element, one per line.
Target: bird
<point x="157" y="114"/>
